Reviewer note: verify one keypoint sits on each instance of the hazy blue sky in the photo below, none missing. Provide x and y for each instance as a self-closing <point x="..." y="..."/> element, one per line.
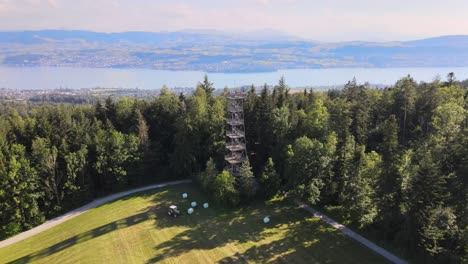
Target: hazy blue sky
<point x="327" y="20"/>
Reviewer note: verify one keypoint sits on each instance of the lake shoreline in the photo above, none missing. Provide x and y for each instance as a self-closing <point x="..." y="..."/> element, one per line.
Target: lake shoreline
<point x="76" y="77"/>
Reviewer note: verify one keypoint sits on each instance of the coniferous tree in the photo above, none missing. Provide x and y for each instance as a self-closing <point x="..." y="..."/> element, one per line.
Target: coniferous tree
<point x="163" y="118"/>
<point x="45" y="160"/>
<point x="281" y="93"/>
<point x="359" y="194"/>
<point x="111" y="111"/>
<point x="389" y="181"/>
<point x="265" y="140"/>
<point x="270" y="179"/>
<point x="405" y="98"/>
<point x="208" y="176"/>
<point x="247" y="183"/>
<point x="207" y="86"/>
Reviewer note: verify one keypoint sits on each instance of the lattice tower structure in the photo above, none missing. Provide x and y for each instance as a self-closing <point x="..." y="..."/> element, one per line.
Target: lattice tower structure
<point x="236" y="151"/>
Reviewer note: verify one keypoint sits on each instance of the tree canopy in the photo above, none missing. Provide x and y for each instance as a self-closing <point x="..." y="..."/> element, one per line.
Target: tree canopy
<point x="394" y="158"/>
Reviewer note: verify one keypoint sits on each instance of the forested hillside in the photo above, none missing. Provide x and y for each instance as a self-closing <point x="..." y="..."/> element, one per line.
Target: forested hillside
<point x="395" y="158"/>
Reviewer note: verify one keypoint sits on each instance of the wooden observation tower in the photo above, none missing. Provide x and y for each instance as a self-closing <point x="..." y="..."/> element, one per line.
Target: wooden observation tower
<point x="235" y="132"/>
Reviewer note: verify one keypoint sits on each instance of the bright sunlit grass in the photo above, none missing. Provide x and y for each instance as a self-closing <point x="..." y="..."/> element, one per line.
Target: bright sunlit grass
<point x="137" y="229"/>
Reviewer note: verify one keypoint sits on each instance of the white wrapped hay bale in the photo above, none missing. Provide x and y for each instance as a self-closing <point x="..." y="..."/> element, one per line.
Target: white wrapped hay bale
<point x="194" y="204"/>
<point x="184" y="195"/>
<point x="266" y="220"/>
<point x="205" y="205"/>
<point x="190" y="211"/>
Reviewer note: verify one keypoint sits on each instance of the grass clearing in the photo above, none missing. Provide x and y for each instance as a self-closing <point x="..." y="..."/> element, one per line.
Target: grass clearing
<point x="137" y="229"/>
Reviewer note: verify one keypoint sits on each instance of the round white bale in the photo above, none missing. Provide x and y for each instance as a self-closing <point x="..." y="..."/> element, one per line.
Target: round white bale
<point x="184" y="195"/>
<point x="194" y="204"/>
<point x="205" y="205"/>
<point x="266" y="220"/>
<point x="190" y="211"/>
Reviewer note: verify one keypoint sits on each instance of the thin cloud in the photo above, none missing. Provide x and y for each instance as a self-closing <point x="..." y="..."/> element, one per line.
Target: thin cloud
<point x="52" y="3"/>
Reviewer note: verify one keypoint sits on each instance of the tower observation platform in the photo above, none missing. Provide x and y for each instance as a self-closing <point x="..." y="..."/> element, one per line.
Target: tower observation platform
<point x="235" y="132"/>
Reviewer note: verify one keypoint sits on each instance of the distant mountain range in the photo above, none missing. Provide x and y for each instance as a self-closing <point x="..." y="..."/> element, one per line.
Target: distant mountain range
<point x="215" y="51"/>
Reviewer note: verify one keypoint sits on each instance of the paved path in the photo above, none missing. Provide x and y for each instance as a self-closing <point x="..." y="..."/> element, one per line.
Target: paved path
<point x="352" y="234"/>
<point x="58" y="220"/>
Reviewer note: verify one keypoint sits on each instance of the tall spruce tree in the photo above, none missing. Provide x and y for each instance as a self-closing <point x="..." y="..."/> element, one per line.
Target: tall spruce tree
<point x="270" y="179"/>
<point x="247" y="183"/>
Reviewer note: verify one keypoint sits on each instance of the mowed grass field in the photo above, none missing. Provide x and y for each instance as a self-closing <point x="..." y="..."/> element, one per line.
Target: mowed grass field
<point x="137" y="229"/>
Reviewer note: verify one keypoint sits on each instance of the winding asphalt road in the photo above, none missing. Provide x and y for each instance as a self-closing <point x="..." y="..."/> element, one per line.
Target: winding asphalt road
<point x="58" y="220"/>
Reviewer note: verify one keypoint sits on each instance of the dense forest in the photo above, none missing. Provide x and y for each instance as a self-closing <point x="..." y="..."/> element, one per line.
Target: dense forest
<point x="396" y="158"/>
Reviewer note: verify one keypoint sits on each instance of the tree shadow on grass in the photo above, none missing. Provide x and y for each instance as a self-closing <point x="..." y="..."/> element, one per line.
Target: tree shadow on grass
<point x="294" y="247"/>
<point x="205" y="228"/>
<point x="83" y="237"/>
<point x="209" y="229"/>
<point x="156" y="194"/>
<point x="208" y="234"/>
<point x="308" y="241"/>
<point x="292" y="236"/>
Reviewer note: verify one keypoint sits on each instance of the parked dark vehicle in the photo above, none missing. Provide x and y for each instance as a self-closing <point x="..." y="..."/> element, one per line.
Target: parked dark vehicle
<point x="173" y="211"/>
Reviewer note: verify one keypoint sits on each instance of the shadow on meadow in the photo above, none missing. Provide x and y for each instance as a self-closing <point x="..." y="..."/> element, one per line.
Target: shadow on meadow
<point x="292" y="236"/>
<point x="101" y="230"/>
<point x="83" y="237"/>
<point x="305" y="240"/>
<point x="205" y="228"/>
<point x="298" y="245"/>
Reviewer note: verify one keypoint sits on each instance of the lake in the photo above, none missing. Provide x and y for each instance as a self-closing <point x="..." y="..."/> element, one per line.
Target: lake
<point x="64" y="77"/>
